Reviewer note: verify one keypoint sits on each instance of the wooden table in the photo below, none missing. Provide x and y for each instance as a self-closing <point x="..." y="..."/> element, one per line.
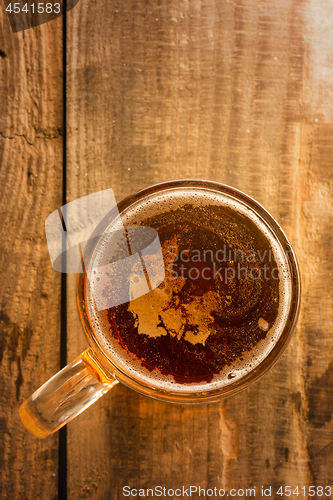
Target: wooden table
<point x="236" y="91"/>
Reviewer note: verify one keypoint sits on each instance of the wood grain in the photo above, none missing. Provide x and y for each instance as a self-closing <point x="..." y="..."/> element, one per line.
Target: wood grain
<point x="239" y="92"/>
<point x="31" y="185"/>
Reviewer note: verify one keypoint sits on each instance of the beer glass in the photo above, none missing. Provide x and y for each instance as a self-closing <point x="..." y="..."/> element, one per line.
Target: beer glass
<point x="210" y="326"/>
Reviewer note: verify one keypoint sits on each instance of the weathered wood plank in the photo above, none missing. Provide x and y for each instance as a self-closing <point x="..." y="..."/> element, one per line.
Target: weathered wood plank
<point x="228" y="91"/>
<point x="31" y="188"/>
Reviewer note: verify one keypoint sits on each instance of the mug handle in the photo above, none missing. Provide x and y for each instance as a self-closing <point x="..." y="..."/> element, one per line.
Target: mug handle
<point x="66" y="394"/>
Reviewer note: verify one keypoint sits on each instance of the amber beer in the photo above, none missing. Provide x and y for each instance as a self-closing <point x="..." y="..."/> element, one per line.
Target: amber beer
<point x="224" y="301"/>
<point x="190" y="292"/>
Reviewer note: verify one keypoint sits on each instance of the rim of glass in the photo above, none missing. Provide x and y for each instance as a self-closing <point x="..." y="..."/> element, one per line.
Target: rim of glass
<point x="257" y="372"/>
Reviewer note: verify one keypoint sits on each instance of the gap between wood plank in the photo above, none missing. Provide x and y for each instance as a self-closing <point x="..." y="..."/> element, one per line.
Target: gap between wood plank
<point x="62" y="456"/>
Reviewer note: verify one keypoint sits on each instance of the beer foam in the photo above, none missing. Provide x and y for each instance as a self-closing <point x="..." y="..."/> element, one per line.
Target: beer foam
<point x="157" y="204"/>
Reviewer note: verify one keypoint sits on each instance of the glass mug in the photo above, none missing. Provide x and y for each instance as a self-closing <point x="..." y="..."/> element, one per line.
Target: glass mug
<point x="218" y="317"/>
